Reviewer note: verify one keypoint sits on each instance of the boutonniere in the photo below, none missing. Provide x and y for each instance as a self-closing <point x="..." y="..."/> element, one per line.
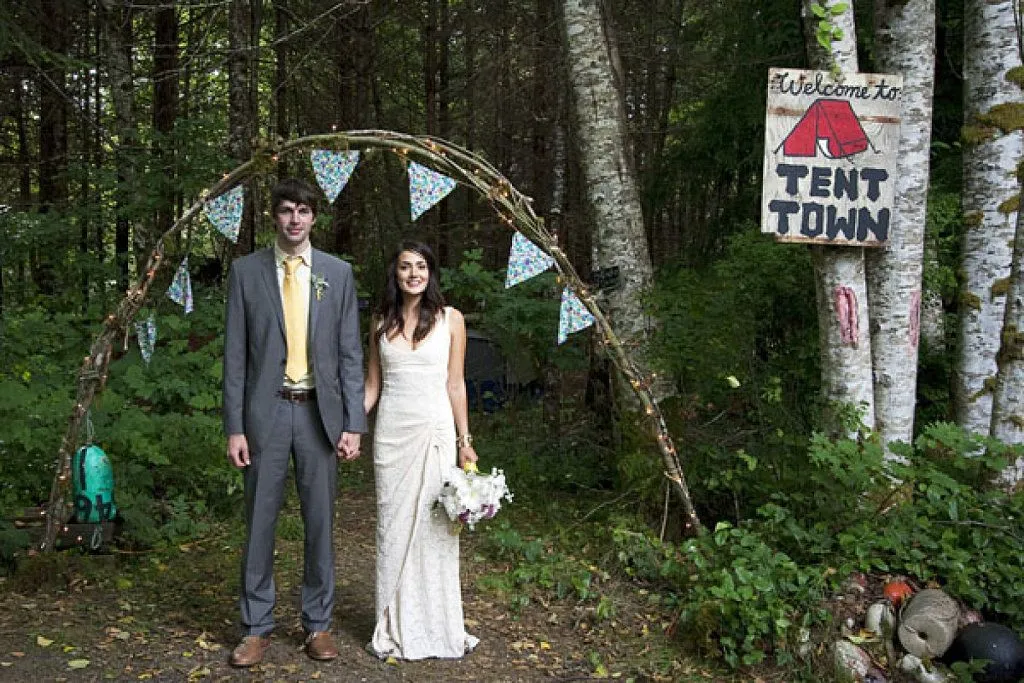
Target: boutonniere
<point x="320" y="285"/>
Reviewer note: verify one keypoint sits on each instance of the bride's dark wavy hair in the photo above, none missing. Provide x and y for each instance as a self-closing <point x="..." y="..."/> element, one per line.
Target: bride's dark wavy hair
<point x="389" y="310"/>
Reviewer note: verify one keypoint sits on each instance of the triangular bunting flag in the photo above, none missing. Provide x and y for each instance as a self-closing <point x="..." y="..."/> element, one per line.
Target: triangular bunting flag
<point x="146" y="332"/>
<point x="573" y="315"/>
<point x="225" y="212"/>
<point x="180" y="291"/>
<point x="525" y="260"/>
<point x="426" y="188"/>
<point x="333" y="169"/>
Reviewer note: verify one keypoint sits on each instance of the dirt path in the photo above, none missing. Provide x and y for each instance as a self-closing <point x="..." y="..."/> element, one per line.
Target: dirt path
<point x="172" y="617"/>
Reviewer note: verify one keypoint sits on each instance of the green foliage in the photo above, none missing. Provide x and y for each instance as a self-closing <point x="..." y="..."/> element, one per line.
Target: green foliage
<point x="754" y="587"/>
<point x="750" y="316"/>
<point x="161" y="425"/>
<point x="826" y="31"/>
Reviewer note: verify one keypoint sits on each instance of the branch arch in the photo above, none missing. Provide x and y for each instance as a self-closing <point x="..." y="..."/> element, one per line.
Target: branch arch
<point x="513" y="208"/>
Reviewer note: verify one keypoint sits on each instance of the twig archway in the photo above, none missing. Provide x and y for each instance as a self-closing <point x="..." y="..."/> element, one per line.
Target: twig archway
<point x="512" y="207"/>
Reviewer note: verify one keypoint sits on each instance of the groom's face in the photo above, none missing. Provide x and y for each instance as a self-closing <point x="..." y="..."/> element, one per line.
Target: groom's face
<point x="294" y="223"/>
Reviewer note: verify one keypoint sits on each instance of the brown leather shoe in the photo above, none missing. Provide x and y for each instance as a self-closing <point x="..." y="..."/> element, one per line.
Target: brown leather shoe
<point x="320" y="646"/>
<point x="250" y="651"/>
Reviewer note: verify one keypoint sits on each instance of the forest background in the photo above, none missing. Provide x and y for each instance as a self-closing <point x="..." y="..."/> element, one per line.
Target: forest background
<point x="116" y="116"/>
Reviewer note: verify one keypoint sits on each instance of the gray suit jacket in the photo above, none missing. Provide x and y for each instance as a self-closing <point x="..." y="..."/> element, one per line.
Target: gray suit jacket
<point x="255" y="350"/>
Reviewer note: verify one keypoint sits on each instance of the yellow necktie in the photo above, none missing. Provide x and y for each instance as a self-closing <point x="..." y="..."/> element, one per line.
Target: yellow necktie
<point x="295" y="315"/>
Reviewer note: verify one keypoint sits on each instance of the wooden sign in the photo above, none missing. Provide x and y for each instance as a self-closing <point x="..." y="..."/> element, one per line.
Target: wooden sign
<point x="830" y="157"/>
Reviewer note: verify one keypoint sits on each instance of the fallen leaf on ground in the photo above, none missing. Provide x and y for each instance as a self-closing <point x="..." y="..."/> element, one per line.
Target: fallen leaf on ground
<point x="43" y="642"/>
<point x="78" y="663"/>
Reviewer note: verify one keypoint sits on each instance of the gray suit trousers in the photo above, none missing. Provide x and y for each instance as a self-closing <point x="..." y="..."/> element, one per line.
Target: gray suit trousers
<point x="297" y="430"/>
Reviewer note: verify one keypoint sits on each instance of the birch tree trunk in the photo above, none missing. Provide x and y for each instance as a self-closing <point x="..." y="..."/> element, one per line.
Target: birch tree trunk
<point x="839" y="271"/>
<point x="990" y="161"/>
<point x="1008" y="398"/>
<point x="618" y="229"/>
<point x="905" y="34"/>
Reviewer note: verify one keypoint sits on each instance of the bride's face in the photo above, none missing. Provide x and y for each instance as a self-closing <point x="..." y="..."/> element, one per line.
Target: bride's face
<point x="412" y="273"/>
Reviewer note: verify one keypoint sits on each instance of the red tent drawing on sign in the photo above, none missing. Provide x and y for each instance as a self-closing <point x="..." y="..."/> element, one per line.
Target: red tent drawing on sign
<point x="834" y="123"/>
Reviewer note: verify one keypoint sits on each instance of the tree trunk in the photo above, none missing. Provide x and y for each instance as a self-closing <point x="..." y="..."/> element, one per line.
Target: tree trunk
<point x="905" y="35"/>
<point x="165" y="112"/>
<point x="619" y="237"/>
<point x="280" y="98"/>
<point x="120" y="38"/>
<point x="242" y="108"/>
<point x="989" y="210"/>
<point x="1008" y="398"/>
<point x="53" y="135"/>
<point x="839" y="271"/>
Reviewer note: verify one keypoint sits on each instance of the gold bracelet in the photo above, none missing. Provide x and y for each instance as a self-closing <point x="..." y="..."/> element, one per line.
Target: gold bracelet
<point x="464" y="440"/>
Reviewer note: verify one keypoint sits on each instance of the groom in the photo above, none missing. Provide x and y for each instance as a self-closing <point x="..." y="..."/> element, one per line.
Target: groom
<point x="293" y="389"/>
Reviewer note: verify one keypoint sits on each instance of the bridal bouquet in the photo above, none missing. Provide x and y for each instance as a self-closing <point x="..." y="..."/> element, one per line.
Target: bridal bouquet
<point x="469" y="497"/>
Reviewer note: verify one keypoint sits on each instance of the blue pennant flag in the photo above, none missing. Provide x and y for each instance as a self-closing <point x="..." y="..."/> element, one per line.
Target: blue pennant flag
<point x="525" y="260"/>
<point x="333" y="169"/>
<point x="426" y="188"/>
<point x="180" y="291"/>
<point x="573" y="315"/>
<point x="145" y="330"/>
<point x="225" y="212"/>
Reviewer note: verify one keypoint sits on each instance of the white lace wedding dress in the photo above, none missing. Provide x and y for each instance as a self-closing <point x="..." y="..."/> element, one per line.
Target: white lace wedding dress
<point x="419" y="599"/>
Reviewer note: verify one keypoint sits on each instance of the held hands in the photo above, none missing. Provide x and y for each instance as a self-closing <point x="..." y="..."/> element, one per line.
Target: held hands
<point x="238" y="450"/>
<point x="348" y="446"/>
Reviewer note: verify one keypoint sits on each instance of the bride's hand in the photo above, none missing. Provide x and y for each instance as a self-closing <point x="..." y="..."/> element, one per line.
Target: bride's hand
<point x="467" y="455"/>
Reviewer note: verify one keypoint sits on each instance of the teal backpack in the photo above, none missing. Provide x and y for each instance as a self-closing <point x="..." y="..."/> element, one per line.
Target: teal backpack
<point x="93" y="480"/>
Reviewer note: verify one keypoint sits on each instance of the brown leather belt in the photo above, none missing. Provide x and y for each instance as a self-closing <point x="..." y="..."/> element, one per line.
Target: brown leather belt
<point x="297" y="395"/>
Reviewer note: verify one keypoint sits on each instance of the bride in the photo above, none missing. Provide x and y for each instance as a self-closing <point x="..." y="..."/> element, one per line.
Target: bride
<point x="416" y="366"/>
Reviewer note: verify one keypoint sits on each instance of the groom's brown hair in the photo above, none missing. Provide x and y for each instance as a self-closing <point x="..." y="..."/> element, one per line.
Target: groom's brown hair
<point x="294" y="190"/>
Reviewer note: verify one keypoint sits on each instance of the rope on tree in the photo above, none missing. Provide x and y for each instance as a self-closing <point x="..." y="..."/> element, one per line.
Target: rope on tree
<point x="513" y="208"/>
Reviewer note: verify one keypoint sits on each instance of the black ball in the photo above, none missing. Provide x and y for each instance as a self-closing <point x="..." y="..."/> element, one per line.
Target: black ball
<point x="994" y="642"/>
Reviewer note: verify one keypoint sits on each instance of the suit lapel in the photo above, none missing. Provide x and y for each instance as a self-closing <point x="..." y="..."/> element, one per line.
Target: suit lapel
<point x="269" y="269"/>
<point x="314" y="302"/>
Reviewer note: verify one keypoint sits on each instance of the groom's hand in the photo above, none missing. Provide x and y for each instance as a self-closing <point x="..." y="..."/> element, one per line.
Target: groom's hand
<point x="238" y="450"/>
<point x="348" y="445"/>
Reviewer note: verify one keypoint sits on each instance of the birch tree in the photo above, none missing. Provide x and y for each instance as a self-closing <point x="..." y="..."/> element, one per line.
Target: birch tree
<point x="905" y="32"/>
<point x="990" y="210"/>
<point x="619" y="240"/>
<point x="839" y="271"/>
<point x="1008" y="399"/>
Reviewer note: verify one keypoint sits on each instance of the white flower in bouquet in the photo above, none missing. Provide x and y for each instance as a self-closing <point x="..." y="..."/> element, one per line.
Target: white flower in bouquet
<point x="469" y="497"/>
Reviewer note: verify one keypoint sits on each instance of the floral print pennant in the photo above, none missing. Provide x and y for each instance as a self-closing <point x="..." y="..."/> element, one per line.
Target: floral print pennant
<point x="525" y="260"/>
<point x="145" y="330"/>
<point x="573" y="315"/>
<point x="180" y="291"/>
<point x="333" y="169"/>
<point x="426" y="188"/>
<point x="225" y="212"/>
